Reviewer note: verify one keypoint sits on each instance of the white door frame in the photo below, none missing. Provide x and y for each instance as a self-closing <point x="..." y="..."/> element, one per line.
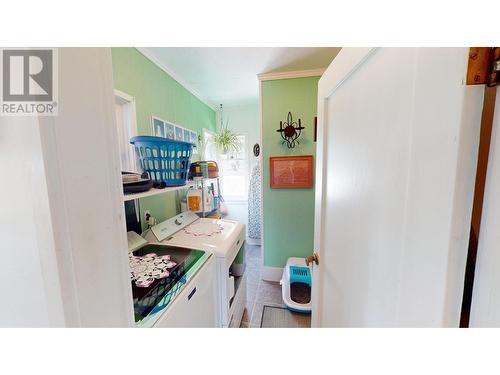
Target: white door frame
<point x="82" y="167"/>
<point x="128" y="102"/>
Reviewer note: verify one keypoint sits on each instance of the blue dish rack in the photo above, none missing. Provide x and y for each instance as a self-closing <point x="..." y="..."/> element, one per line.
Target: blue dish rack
<point x="166" y="160"/>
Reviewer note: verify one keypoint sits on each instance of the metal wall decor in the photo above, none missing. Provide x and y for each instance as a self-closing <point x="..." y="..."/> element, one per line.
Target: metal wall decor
<point x="290" y="131"/>
<point x="256" y="149"/>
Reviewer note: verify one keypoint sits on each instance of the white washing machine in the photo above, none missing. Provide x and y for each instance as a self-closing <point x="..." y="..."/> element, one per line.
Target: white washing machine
<point x="223" y="238"/>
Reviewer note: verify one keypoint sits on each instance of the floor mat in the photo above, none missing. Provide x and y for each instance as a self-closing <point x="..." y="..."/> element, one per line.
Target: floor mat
<point x="280" y="317"/>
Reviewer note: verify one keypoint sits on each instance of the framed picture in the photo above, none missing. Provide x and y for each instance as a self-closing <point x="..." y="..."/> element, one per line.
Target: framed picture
<point x="169" y="130"/>
<point x="165" y="129"/>
<point x="291" y="172"/>
<point x="179" y="133"/>
<point x="193" y="138"/>
<point x="158" y="127"/>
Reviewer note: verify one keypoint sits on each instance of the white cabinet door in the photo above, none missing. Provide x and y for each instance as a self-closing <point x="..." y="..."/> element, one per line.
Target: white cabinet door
<point x="398" y="134"/>
<point x="195" y="307"/>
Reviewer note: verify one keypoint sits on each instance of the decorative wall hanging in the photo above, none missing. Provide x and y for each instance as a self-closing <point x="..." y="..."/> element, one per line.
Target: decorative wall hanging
<point x="256" y="150"/>
<point x="315" y="128"/>
<point x="290" y="131"/>
<point x="291" y="171"/>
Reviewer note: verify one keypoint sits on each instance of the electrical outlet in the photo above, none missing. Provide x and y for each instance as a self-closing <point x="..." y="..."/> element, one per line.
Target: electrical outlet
<point x="149" y="219"/>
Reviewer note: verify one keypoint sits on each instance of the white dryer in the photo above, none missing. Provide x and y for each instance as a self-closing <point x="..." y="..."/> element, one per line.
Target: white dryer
<point x="223" y="238"/>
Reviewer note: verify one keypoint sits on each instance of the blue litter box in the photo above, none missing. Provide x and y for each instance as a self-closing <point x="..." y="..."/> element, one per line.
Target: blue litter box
<point x="296" y="285"/>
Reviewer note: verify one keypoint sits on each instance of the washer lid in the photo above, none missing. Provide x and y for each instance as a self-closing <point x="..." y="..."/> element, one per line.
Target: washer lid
<point x="168" y="227"/>
<point x="215" y="235"/>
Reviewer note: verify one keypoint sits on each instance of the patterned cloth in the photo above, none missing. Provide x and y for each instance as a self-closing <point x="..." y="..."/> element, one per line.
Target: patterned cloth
<point x="144" y="270"/>
<point x="200" y="228"/>
<point x="254" y="203"/>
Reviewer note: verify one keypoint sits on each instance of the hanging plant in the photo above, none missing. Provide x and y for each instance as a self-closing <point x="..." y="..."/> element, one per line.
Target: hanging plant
<point x="226" y="140"/>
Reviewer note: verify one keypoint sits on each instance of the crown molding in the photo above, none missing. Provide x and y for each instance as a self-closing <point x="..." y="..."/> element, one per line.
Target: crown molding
<point x="291" y="74"/>
<point x="151" y="57"/>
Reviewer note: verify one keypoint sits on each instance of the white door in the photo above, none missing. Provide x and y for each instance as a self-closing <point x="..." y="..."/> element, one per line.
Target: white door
<point x="398" y="134"/>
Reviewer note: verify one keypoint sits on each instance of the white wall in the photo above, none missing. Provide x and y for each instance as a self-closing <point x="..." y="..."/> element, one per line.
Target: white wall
<point x="485" y="309"/>
<point x="244" y="120"/>
<point x="62" y="223"/>
<point x="29" y="282"/>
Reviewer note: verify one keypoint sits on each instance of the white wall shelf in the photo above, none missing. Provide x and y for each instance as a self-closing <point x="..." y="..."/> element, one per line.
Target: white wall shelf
<point x="154" y="191"/>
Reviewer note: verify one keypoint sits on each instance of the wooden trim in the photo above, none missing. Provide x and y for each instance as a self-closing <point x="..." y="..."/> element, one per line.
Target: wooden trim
<point x="477" y="69"/>
<point x="292" y="74"/>
<point x="483" y="155"/>
<point x="477" y="206"/>
<point x="482" y="66"/>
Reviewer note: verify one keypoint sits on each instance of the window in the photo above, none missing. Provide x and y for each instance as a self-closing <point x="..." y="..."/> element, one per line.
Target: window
<point x="208" y="148"/>
<point x="234" y="169"/>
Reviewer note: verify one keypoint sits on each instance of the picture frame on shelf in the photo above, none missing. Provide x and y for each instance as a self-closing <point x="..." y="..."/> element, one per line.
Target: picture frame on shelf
<point x="158" y="127"/>
<point x="194" y="138"/>
<point x="186" y="137"/>
<point x="179" y="133"/>
<point x="169" y="131"/>
<point x="166" y="129"/>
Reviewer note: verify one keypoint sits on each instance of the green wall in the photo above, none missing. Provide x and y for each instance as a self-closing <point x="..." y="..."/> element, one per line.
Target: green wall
<point x="158" y="94"/>
<point x="288" y="213"/>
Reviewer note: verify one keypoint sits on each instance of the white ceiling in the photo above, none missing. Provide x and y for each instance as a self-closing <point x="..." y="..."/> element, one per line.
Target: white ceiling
<point x="229" y="75"/>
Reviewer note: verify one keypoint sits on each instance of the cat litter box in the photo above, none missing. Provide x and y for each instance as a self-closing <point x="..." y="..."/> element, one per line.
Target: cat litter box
<point x="296" y="285"/>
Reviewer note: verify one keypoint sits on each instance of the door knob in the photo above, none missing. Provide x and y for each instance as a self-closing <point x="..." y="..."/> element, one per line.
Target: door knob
<point x="312" y="258"/>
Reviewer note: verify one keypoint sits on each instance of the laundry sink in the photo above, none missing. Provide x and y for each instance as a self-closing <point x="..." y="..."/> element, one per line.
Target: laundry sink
<point x="162" y="291"/>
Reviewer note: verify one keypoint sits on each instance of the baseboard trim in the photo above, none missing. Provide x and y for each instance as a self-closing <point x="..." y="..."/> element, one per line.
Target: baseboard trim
<point x="272" y="273"/>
